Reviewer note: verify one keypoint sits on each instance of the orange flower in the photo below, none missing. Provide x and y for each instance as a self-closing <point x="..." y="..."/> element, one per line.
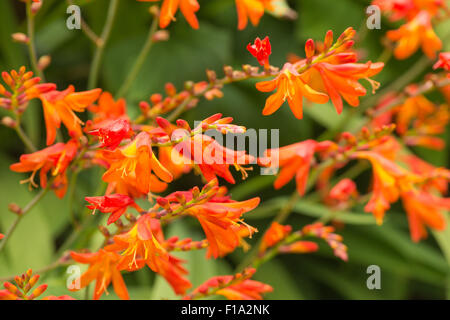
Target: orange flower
<point x="424" y="209"/>
<point x="273" y="235"/>
<point x="253" y="10"/>
<point x="417" y="32"/>
<point x="340" y="80"/>
<point x="219" y="216"/>
<point x="133" y="164"/>
<point x="199" y="149"/>
<point x="174" y="162"/>
<point x="237" y="287"/>
<point x="343" y="190"/>
<point x="107" y="109"/>
<point x="291" y="87"/>
<point x="60" y="106"/>
<point x="56" y="158"/>
<point x="386" y="179"/>
<point x="426" y="118"/>
<point x="103" y="269"/>
<point x="170" y="7"/>
<point x="295" y="160"/>
<point x="1" y="236"/>
<point x="144" y="245"/>
<point x="391" y="182"/>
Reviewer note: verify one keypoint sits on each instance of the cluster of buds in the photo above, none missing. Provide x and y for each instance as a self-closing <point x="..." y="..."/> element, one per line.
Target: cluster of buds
<point x="177" y="202"/>
<point x="172" y="134"/>
<point x="235" y="287"/>
<point x="188" y="98"/>
<point x="22" y="88"/>
<point x="24" y="284"/>
<point x="326" y="233"/>
<point x="174" y="244"/>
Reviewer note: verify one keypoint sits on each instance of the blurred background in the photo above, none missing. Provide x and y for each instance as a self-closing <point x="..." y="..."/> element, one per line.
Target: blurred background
<point x="409" y="271"/>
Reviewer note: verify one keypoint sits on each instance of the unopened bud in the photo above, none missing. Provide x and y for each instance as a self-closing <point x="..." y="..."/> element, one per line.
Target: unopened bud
<point x="9" y="122"/>
<point x="154" y="10"/>
<point x="161" y="35"/>
<point x="20" y="37"/>
<point x="14" y="208"/>
<point x="36" y="6"/>
<point x="38" y="291"/>
<point x="170" y="89"/>
<point x="309" y="48"/>
<point x="211" y="75"/>
<point x="44" y="62"/>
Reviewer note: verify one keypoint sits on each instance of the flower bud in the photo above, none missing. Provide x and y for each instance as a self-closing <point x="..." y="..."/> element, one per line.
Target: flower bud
<point x="160" y="36"/>
<point x="20" y="37"/>
<point x="44" y="62"/>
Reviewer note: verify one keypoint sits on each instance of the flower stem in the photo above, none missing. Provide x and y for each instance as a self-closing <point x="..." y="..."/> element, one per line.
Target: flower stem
<point x="25" y="139"/>
<point x="139" y="61"/>
<point x="95" y="68"/>
<point x="31" y="45"/>
<point x="88" y="31"/>
<point x="22" y="214"/>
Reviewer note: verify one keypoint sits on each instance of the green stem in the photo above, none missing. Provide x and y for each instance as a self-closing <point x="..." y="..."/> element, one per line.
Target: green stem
<point x="31" y="45"/>
<point x="25" y="139"/>
<point x="95" y="68"/>
<point x="22" y="214"/>
<point x="129" y="80"/>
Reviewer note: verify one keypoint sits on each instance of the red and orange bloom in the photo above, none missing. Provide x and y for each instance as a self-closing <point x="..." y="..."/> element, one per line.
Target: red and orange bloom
<point x="116" y="204"/>
<point x="199" y="149"/>
<point x="1" y="236"/>
<point x="133" y="164"/>
<point x="144" y="245"/>
<point x="107" y="109"/>
<point x="253" y="10"/>
<point x="343" y="190"/>
<point x="56" y="158"/>
<point x="340" y="80"/>
<point x="237" y="287"/>
<point x="291" y="87"/>
<point x="418" y="32"/>
<point x="220" y="218"/>
<point x="392" y="182"/>
<point x="273" y="235"/>
<point x="261" y="50"/>
<point x="295" y="161"/>
<point x="424" y="209"/>
<point x="103" y="269"/>
<point x="443" y="62"/>
<point x="59" y="106"/>
<point x="170" y="7"/>
<point x="113" y="133"/>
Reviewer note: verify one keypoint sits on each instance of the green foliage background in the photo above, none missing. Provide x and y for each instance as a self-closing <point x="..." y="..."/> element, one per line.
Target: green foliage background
<point x="409" y="270"/>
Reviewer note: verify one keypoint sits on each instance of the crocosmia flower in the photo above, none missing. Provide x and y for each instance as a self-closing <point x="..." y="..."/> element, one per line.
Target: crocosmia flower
<point x="103" y="270"/>
<point x="59" y="106"/>
<point x="261" y="50"/>
<point x="414" y="34"/>
<point x="55" y="158"/>
<point x="116" y="204"/>
<point x="291" y="87"/>
<point x="134" y="163"/>
<point x="170" y="7"/>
